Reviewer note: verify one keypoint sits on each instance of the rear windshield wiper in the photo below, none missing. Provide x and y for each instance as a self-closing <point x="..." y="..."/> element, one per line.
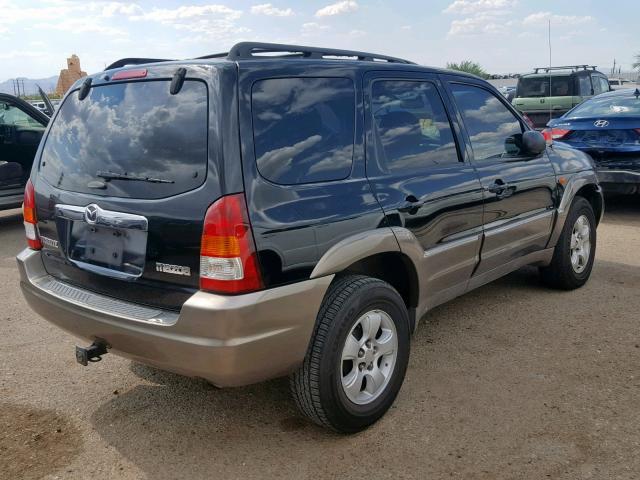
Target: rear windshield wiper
<point x="126" y="176"/>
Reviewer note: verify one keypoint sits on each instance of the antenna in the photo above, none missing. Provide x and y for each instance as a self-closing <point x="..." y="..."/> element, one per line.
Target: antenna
<point x="550" y="103"/>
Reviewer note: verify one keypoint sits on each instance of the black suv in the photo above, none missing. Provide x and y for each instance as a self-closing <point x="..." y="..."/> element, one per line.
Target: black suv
<point x="281" y="209"/>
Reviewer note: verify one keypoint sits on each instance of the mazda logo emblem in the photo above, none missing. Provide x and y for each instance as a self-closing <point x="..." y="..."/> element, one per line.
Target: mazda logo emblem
<point x="601" y="123"/>
<point x="91" y="214"/>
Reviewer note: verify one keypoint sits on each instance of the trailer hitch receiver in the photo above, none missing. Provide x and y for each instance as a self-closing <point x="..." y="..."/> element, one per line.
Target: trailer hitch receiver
<point x="91" y="354"/>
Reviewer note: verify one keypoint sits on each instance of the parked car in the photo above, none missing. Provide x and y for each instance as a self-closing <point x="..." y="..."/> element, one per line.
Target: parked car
<point x="570" y="86"/>
<point x="21" y="128"/>
<point x="607" y="127"/>
<point x="508" y="92"/>
<point x="618" y="83"/>
<point x="244" y="216"/>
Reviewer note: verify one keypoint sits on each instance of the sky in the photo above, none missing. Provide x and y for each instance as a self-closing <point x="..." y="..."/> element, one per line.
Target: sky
<point x="502" y="35"/>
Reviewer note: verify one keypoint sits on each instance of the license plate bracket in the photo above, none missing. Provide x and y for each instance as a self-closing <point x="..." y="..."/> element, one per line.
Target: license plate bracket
<point x="121" y="251"/>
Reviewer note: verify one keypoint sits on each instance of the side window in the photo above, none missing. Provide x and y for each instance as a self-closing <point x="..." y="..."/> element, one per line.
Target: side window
<point x="13" y="116"/>
<point x="605" y="84"/>
<point x="494" y="131"/>
<point x="584" y="85"/>
<point x="597" y="86"/>
<point x="303" y="129"/>
<point x="411" y="125"/>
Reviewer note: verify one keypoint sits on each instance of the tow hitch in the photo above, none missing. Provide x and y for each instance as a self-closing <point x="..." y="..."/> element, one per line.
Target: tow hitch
<point x="91" y="354"/>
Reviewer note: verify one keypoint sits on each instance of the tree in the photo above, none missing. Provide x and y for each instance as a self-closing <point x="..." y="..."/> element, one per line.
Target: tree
<point x="468" y="66"/>
<point x="636" y="64"/>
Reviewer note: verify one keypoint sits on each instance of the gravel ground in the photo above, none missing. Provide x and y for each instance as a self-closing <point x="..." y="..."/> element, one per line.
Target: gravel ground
<point x="510" y="381"/>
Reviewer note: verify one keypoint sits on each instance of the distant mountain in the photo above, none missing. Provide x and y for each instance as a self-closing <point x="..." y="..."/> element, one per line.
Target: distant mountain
<point x="30" y="88"/>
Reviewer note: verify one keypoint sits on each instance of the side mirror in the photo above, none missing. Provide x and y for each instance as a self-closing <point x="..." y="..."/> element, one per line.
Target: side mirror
<point x="533" y="142"/>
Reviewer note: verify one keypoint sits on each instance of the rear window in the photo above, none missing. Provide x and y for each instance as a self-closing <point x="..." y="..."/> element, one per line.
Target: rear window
<point x="618" y="106"/>
<point x="137" y="130"/>
<point x="303" y="129"/>
<point x="561" y="86"/>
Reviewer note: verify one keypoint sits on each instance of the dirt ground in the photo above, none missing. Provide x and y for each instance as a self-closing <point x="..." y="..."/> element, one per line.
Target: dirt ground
<point x="510" y="381"/>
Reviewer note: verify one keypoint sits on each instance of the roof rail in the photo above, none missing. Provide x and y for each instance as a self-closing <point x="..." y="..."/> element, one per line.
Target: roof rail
<point x="248" y="50"/>
<point x="566" y="67"/>
<point x="213" y="55"/>
<point x="135" y="61"/>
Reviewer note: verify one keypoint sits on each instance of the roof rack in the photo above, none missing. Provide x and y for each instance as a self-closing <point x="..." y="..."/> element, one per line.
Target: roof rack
<point x="249" y="50"/>
<point x="566" y="67"/>
<point x="123" y="62"/>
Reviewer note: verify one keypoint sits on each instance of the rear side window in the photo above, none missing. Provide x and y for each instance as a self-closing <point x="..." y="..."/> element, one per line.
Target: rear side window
<point x="561" y="86"/>
<point x="597" y="85"/>
<point x="136" y="130"/>
<point x="303" y="129"/>
<point x="584" y="84"/>
<point x="413" y="131"/>
<point x="604" y="84"/>
<point x="494" y="131"/>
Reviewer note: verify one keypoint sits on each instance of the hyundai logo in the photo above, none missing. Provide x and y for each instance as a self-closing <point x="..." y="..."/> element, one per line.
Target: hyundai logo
<point x="601" y="123"/>
<point x="91" y="214"/>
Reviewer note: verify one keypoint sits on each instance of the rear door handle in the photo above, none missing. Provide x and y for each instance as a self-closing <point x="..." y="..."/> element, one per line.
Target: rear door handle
<point x="412" y="206"/>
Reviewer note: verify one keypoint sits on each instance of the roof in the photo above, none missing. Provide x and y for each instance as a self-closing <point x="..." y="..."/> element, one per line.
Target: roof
<point x="254" y="50"/>
<point x="552" y="74"/>
<point x="265" y="52"/>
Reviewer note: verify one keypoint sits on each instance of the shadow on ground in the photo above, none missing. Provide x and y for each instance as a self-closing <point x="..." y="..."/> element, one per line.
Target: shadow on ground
<point x="511" y="380"/>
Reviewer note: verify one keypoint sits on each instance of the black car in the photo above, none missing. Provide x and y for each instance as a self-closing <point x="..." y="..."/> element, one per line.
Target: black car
<point x="286" y="210"/>
<point x="607" y="127"/>
<point x="21" y="128"/>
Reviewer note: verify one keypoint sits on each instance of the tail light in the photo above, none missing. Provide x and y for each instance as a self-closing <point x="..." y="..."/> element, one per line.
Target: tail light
<point x="555" y="133"/>
<point x="228" y="259"/>
<point x="30" y="220"/>
<point x="126" y="74"/>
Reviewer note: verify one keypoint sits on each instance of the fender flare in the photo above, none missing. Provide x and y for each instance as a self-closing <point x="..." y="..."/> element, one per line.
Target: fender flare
<point x="353" y="248"/>
<point x="574" y="184"/>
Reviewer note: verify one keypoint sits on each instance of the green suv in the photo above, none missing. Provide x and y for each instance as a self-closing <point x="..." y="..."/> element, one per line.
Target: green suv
<point x="570" y="86"/>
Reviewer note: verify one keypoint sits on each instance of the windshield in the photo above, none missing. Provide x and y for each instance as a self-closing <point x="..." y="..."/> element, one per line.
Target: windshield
<point x="618" y="106"/>
<point x="124" y="137"/>
<point x="561" y="86"/>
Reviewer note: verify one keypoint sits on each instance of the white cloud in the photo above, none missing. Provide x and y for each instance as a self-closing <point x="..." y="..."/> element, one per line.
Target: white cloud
<point x="466" y="7"/>
<point x="540" y="19"/>
<point x="481" y="24"/>
<point x="76" y="25"/>
<point x="270" y="10"/>
<point x="406" y="27"/>
<point x="313" y="28"/>
<point x="118" y="8"/>
<point x="357" y="33"/>
<point x="218" y="21"/>
<point x="346" y="6"/>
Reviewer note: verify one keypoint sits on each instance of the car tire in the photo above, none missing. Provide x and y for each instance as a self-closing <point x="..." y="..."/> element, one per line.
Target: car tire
<point x="574" y="253"/>
<point x="348" y="386"/>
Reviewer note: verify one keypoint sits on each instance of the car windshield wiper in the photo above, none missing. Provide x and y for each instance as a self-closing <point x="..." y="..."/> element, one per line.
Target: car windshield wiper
<point x="126" y="176"/>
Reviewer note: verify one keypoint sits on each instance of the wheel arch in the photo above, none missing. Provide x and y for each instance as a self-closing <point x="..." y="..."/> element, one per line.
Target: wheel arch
<point x="583" y="184"/>
<point x="593" y="194"/>
<point x="376" y="254"/>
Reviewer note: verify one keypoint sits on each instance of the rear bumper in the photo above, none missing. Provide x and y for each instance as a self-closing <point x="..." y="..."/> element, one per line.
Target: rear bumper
<point x="228" y="340"/>
<point x="619" y="181"/>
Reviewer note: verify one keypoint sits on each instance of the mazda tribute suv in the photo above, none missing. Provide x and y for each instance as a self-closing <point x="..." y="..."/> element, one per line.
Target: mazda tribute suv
<point x="285" y="210"/>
